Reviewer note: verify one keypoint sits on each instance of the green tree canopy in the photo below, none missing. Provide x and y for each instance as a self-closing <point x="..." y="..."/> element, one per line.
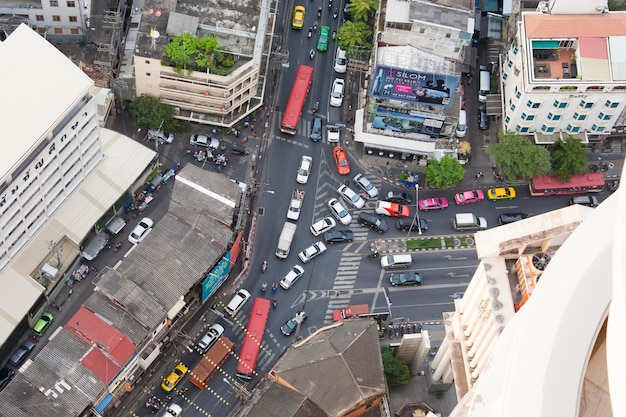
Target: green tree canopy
<point x="568" y="158"/>
<point x="396" y="371"/>
<point x="150" y="112"/>
<point x="186" y="52"/>
<point x="444" y="173"/>
<point x="354" y="34"/>
<point x="363" y="10"/>
<point x="518" y="158"/>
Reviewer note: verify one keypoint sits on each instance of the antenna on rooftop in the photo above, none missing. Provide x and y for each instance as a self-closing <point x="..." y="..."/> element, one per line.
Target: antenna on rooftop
<point x="154" y="34"/>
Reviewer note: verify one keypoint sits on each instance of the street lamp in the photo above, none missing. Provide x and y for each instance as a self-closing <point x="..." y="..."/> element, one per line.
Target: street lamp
<point x="416" y="219"/>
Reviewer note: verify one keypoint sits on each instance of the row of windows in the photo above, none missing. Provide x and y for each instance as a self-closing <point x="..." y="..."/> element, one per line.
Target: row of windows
<point x="55" y="18"/>
<point x="576" y="116"/>
<point x="570" y="129"/>
<point x="59" y="31"/>
<point x="563" y="104"/>
<point x="55" y="3"/>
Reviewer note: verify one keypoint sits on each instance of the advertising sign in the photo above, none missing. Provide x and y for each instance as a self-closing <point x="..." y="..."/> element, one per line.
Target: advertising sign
<point x="408" y="121"/>
<point x="215" y="278"/>
<point x="414" y="86"/>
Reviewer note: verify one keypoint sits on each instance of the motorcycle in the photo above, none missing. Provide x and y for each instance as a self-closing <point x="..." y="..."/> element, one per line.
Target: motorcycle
<point x="319" y="12"/>
<point x="310" y="32"/>
<point x="316" y="107"/>
<point x="118" y="245"/>
<point x="274" y="302"/>
<point x="334" y="34"/>
<point x="330" y="4"/>
<point x="274" y="287"/>
<point x="312" y="53"/>
<point x="264" y="266"/>
<point x="335" y="13"/>
<point x="374" y="254"/>
<point x="264" y="287"/>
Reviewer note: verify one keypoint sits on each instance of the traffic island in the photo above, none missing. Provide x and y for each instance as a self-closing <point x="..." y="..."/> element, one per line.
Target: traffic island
<point x="420" y="244"/>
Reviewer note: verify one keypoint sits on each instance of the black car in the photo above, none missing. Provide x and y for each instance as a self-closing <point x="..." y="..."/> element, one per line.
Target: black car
<point x="405" y="278"/>
<point x="292" y="323"/>
<point x="237" y="148"/>
<point x="373" y="222"/>
<point x="316" y="129"/>
<point x="6" y="375"/>
<point x="338" y="236"/>
<point x="22" y="352"/>
<point x="506" y="218"/>
<point x="409" y="223"/>
<point x="482" y="118"/>
<point x="399" y="197"/>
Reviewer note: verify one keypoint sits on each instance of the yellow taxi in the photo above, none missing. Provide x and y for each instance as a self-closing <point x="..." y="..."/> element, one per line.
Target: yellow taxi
<point x="298" y="17"/>
<point x="501" y="193"/>
<point x="177" y="374"/>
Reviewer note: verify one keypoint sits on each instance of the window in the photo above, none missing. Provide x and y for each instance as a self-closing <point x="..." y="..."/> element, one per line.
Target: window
<point x="74" y="31"/>
<point x="148" y="74"/>
<point x="611" y="104"/>
<point x="54" y="3"/>
<point x="547" y="129"/>
<point x="595" y="88"/>
<point x="56" y="18"/>
<point x="515" y="50"/>
<point x="71" y="4"/>
<point x="422" y="30"/>
<point x="573" y="129"/>
<point x="559" y="105"/>
<point x="528" y="116"/>
<point x="507" y="119"/>
<point x="553" y="116"/>
<point x="578" y="116"/>
<point x="523" y="130"/>
<point x="586" y="104"/>
<point x="448" y="35"/>
<point x="39" y="18"/>
<point x="505" y="76"/>
<point x="518" y="94"/>
<point x="597" y="128"/>
<point x="73" y="19"/>
<point x="58" y="31"/>
<point x="533" y="105"/>
<point x="604" y="116"/>
<point x="510" y="64"/>
<point x="512" y="107"/>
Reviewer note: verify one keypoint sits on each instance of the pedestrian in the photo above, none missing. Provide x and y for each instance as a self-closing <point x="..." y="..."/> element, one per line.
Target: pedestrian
<point x="252" y="128"/>
<point x="481" y="174"/>
<point x="245" y="139"/>
<point x="477" y="177"/>
<point x="246" y="124"/>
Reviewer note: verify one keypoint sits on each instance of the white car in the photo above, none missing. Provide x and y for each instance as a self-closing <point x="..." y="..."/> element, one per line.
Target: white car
<point x="312" y="251"/>
<point x="292" y="276"/>
<point x="365" y="185"/>
<point x="161" y="136"/>
<point x="141" y="230"/>
<point x="306" y="163"/>
<point x="205" y="141"/>
<point x="336" y="93"/>
<point x="350" y="196"/>
<point x="339" y="211"/>
<point x="334" y="134"/>
<point x="323" y="226"/>
<point x="341" y="62"/>
<point x="210" y="337"/>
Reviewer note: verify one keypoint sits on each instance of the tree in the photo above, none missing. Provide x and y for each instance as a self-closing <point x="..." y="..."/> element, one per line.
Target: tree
<point x="149" y="111"/>
<point x="568" y="158"/>
<point x="396" y="371"/>
<point x="444" y="173"/>
<point x="186" y="52"/>
<point x="354" y="34"/>
<point x="517" y="157"/>
<point x="363" y="10"/>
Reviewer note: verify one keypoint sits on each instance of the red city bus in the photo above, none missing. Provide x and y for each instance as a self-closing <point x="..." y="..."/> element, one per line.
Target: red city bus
<point x="254" y="336"/>
<point x="592" y="182"/>
<point x="299" y="92"/>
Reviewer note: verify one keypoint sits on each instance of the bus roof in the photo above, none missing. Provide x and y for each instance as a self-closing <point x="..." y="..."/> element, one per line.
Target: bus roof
<point x="295" y="104"/>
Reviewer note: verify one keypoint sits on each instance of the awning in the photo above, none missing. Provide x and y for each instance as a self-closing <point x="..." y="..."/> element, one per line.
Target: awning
<point x="103" y="404"/>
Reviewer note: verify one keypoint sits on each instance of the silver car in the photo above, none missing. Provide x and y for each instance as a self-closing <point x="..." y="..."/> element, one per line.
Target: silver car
<point x="198" y="139"/>
<point x="210" y="337"/>
<point x="365" y="185"/>
<point x="339" y="211"/>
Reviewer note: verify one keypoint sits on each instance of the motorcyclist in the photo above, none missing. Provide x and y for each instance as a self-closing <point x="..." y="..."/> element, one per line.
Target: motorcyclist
<point x="264" y="266"/>
<point x="274" y="301"/>
<point x="312" y="53"/>
<point x="316" y="106"/>
<point x="319" y="12"/>
<point x="310" y="31"/>
<point x="264" y="286"/>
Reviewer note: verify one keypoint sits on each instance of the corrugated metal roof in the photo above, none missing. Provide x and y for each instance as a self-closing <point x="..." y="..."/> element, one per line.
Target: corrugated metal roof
<point x="118" y="317"/>
<point x="540" y="25"/>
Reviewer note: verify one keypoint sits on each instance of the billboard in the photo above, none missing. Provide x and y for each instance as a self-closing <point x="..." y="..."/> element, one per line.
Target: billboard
<point x="408" y="121"/>
<point x="215" y="278"/>
<point x="414" y="86"/>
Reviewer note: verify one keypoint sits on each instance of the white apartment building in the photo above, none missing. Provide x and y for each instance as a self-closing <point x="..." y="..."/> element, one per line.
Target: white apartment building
<point x="564" y="73"/>
<point x="60" y="172"/>
<point x="60" y="19"/>
<point x="201" y="96"/>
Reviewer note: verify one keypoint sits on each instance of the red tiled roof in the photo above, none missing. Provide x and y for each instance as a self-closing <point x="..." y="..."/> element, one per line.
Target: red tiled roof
<point x="101" y="366"/>
<point x="95" y="331"/>
<point x="542" y="26"/>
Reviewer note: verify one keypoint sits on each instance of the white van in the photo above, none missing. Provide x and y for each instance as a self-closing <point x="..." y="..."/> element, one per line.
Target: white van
<point x="285" y="239"/>
<point x="461" y="126"/>
<point x="238" y="301"/>
<point x="468" y="222"/>
<point x="395" y="261"/>
<point x="485" y="84"/>
<point x="341" y="62"/>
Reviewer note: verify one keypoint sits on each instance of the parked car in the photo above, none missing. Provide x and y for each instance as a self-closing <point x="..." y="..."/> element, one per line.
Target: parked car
<point x="322" y="226"/>
<point x="410" y="223"/>
<point x="468" y="197"/>
<point x="501" y="193"/>
<point x="364" y="184"/>
<point x="405" y="278"/>
<point x="210" y="337"/>
<point x="506" y="218"/>
<point x="44" y="322"/>
<point x="198" y="139"/>
<point x="339" y="211"/>
<point x="341" y="160"/>
<point x="6" y="375"/>
<point x="350" y="196"/>
<point x="177" y="374"/>
<point x="237" y="148"/>
<point x="312" y="251"/>
<point x="292" y="276"/>
<point x="22" y="353"/>
<point x="292" y="323"/>
<point x="399" y="197"/>
<point x="338" y="236"/>
<point x="316" y="129"/>
<point x="334" y="134"/>
<point x="433" y="203"/>
<point x="160" y="135"/>
<point x="483" y="119"/>
<point x="306" y="163"/>
<point x="585" y="200"/>
<point x="373" y="222"/>
<point x="336" y="92"/>
<point x="141" y="230"/>
<point x="341" y="62"/>
<point x="392" y="209"/>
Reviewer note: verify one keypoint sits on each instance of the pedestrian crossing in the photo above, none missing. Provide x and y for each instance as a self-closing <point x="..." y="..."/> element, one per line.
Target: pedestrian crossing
<point x="266" y="356"/>
<point x="304" y="127"/>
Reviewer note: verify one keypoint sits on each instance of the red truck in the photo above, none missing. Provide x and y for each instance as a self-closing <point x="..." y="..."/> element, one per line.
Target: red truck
<point x="350" y="311"/>
<point x="201" y="375"/>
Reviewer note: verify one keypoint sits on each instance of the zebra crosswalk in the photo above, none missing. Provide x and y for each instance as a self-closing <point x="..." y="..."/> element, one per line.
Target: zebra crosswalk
<point x="267" y="354"/>
<point x="304" y="127"/>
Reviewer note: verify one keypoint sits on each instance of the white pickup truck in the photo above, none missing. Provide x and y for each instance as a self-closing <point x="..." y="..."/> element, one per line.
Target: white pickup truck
<point x="297" y="198"/>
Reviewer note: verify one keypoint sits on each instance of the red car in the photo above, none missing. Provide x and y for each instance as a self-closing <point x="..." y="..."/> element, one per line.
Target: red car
<point x="468" y="197"/>
<point x="343" y="168"/>
<point x="392" y="209"/>
<point x="433" y="203"/>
